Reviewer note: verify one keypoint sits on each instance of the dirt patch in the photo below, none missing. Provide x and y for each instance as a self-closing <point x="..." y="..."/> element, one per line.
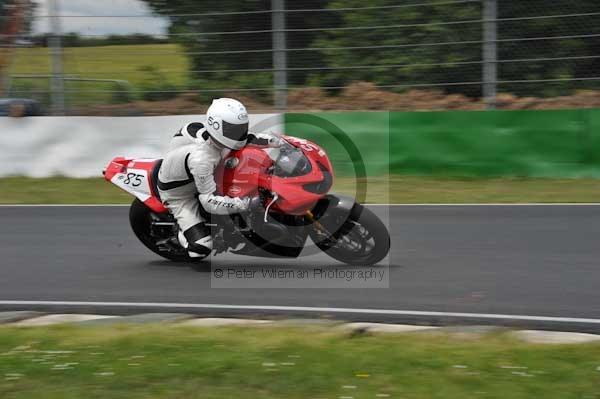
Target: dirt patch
<point x="357" y="96"/>
<point x="365" y="96"/>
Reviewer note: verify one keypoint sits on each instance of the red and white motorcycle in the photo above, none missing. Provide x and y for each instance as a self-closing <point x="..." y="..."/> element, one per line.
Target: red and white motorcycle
<point x="293" y="181"/>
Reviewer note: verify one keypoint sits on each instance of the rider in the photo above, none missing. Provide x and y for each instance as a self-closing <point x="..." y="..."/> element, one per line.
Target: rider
<point x="185" y="178"/>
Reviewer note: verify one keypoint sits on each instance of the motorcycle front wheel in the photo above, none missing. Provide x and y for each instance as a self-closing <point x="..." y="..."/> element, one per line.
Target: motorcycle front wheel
<point x="362" y="239"/>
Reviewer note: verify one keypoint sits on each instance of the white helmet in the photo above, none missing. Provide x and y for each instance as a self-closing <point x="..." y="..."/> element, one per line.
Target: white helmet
<point x="227" y="122"/>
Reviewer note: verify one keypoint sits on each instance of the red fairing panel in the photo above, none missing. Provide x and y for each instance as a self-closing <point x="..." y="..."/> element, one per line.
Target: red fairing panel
<point x="247" y="169"/>
<point x="295" y="199"/>
<point x="242" y="172"/>
<point x="135" y="177"/>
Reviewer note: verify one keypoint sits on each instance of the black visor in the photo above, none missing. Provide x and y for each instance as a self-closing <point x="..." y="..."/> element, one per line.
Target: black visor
<point x="235" y="132"/>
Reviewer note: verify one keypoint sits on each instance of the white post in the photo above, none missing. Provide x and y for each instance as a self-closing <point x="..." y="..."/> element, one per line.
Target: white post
<point x="279" y="54"/>
<point x="57" y="91"/>
<point x="490" y="52"/>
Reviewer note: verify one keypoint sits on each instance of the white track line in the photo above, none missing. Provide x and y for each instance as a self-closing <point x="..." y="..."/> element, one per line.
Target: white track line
<point x="388" y="312"/>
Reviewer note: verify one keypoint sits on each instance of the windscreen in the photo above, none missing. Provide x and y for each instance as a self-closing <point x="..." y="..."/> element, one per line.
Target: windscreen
<point x="290" y="161"/>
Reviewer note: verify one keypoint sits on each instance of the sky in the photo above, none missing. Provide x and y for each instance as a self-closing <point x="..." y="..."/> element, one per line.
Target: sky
<point x="101" y="26"/>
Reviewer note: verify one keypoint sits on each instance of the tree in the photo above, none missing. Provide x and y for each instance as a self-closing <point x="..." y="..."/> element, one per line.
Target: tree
<point x="437" y="43"/>
<point x="4" y="8"/>
<point x="23" y="10"/>
<point x="413" y="45"/>
<point x="15" y="19"/>
<point x="213" y="56"/>
<point x="551" y="54"/>
<point x="423" y="62"/>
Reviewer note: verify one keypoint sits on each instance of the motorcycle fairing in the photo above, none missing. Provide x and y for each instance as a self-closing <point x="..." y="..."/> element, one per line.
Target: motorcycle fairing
<point x="137" y="177"/>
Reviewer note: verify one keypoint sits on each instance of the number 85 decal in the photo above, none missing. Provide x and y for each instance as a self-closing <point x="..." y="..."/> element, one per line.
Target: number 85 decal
<point x="133" y="179"/>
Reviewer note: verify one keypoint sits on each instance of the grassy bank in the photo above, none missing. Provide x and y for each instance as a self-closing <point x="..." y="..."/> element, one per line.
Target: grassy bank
<point x="113" y="62"/>
<point x="127" y="62"/>
<point x="179" y="362"/>
<point x="394" y="189"/>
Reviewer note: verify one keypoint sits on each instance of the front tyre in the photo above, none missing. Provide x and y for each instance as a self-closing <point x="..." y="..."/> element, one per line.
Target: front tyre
<point x="141" y="218"/>
<point x="362" y="238"/>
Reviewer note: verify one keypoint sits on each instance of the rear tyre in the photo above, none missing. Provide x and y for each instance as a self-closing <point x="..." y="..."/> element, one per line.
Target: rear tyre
<point x="362" y="238"/>
<point x="140" y="218"/>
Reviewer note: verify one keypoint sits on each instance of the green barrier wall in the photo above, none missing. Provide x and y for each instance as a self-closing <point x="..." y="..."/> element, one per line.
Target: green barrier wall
<point x="561" y="143"/>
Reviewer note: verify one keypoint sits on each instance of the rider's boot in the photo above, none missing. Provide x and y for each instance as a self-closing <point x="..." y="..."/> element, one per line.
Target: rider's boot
<point x="197" y="240"/>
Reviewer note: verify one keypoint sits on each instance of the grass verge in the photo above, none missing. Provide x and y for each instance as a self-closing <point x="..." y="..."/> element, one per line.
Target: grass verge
<point x="127" y="62"/>
<point x="392" y="189"/>
<point x="184" y="362"/>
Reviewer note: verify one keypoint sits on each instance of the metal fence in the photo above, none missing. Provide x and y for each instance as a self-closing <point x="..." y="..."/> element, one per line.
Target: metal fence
<point x="271" y="51"/>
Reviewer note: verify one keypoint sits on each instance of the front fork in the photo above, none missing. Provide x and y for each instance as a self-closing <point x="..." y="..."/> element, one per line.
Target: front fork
<point x="317" y="225"/>
<point x="342" y="204"/>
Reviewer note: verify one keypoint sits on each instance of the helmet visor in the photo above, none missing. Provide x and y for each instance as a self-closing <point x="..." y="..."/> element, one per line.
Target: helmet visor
<point x="235" y="132"/>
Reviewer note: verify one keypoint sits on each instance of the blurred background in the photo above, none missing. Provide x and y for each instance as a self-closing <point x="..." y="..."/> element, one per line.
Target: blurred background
<point x="155" y="57"/>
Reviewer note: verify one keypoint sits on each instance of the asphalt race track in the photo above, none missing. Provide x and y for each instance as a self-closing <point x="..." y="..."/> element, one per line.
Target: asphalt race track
<point x="448" y="264"/>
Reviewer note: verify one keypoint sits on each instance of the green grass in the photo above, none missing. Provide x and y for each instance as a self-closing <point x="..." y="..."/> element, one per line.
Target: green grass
<point x="410" y="189"/>
<point x="394" y="189"/>
<point x="183" y="362"/>
<point x="114" y="62"/>
<point x="60" y="190"/>
<point x="104" y="62"/>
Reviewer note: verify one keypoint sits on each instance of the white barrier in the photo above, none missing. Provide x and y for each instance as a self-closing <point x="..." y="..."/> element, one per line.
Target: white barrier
<point x="82" y="146"/>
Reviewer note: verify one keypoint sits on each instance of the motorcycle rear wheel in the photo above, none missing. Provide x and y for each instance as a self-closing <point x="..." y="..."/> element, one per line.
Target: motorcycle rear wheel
<point x="367" y="233"/>
<point x="140" y="218"/>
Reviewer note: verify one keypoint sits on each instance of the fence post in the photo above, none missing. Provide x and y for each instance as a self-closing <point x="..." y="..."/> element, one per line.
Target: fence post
<point x="279" y="54"/>
<point x="57" y="90"/>
<point x="490" y="54"/>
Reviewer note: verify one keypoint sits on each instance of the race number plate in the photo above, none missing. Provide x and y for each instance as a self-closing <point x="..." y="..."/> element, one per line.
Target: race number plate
<point x="134" y="181"/>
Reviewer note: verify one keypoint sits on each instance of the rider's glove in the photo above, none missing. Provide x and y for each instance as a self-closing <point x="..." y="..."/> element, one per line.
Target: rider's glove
<point x="264" y="140"/>
<point x="274" y="142"/>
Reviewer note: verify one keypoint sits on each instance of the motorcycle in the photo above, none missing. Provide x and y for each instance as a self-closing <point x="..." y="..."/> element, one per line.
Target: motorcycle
<point x="293" y="183"/>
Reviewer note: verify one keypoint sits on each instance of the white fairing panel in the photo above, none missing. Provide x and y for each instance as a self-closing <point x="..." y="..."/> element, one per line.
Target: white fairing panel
<point x="134" y="181"/>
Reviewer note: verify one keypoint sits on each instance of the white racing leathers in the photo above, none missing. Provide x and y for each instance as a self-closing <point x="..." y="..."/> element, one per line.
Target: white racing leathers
<point x="186" y="181"/>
